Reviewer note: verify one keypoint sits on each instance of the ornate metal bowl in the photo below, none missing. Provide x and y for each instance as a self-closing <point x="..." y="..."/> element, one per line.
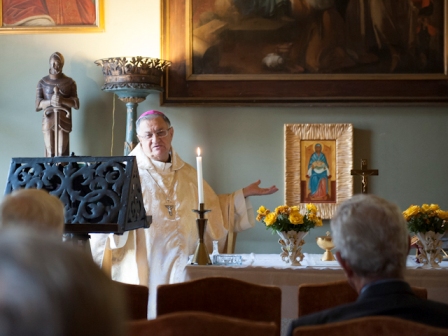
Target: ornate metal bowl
<point x="326" y="243"/>
<point x="132" y="72"/>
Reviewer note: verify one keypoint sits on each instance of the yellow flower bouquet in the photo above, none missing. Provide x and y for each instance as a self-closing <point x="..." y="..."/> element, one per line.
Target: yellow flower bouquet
<point x="429" y="223"/>
<point x="286" y="218"/>
<point x="426" y="218"/>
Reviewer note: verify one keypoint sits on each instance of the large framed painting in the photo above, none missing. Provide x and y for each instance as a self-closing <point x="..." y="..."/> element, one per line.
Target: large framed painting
<point x="278" y="52"/>
<point x="51" y="16"/>
<point x="318" y="163"/>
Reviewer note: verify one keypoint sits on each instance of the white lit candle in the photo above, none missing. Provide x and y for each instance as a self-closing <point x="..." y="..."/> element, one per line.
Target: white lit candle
<point x="200" y="180"/>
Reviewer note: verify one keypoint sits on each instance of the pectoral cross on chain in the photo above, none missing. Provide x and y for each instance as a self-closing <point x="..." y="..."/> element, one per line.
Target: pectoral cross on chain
<point x="364" y="173"/>
<point x="170" y="208"/>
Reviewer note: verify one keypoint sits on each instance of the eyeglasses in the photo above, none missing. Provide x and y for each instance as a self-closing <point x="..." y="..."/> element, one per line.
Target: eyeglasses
<point x="158" y="134"/>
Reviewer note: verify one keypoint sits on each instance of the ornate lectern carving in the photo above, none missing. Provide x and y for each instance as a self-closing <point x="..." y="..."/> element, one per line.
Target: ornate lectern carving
<point x="100" y="194"/>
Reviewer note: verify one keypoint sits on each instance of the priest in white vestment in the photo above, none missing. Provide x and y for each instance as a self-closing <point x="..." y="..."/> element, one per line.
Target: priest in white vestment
<point x="158" y="255"/>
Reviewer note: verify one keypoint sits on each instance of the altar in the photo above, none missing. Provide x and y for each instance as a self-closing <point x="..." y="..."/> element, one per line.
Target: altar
<point x="269" y="269"/>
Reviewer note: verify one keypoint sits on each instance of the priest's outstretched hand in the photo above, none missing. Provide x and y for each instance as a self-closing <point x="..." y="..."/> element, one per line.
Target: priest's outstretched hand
<point x="255" y="190"/>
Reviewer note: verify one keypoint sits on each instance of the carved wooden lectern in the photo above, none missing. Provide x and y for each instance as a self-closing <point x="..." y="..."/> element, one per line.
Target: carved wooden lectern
<point x="100" y="194"/>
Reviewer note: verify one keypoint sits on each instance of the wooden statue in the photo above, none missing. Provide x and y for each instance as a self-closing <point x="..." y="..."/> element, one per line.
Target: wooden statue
<point x="56" y="95"/>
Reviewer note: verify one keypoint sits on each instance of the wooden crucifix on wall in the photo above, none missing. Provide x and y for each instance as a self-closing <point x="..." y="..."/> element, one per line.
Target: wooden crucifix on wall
<point x="364" y="173"/>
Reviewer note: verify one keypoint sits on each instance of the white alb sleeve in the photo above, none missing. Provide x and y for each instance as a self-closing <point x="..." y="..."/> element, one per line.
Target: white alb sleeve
<point x="118" y="241"/>
<point x="244" y="214"/>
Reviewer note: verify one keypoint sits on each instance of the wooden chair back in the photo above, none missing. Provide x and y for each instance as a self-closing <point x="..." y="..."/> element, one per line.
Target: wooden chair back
<point x="136" y="299"/>
<point x="371" y="325"/>
<point x="194" y="323"/>
<point x="223" y="296"/>
<point x="421" y="292"/>
<point x="316" y="297"/>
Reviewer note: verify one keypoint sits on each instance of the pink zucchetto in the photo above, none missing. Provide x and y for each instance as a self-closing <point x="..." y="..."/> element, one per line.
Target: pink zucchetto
<point x="151" y="112"/>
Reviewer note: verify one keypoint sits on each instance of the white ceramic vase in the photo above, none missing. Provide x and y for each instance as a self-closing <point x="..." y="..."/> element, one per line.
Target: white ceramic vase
<point x="430" y="249"/>
<point x="292" y="242"/>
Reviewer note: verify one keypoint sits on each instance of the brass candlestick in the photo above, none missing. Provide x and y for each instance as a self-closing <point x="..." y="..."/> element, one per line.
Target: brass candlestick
<point x="201" y="256"/>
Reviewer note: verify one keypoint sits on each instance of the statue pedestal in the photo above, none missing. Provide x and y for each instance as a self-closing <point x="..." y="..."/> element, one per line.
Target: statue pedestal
<point x="132" y="97"/>
<point x="132" y="79"/>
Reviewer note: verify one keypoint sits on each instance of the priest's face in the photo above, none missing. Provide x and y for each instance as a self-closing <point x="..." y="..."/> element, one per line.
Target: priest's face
<point x="155" y="136"/>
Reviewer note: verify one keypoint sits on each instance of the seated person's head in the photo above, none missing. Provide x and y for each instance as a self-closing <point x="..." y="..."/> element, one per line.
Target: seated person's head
<point x="371" y="236"/>
<point x="50" y="288"/>
<point x="33" y="208"/>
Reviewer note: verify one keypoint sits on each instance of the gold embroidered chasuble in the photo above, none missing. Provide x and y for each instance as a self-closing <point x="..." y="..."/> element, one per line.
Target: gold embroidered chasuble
<point x="158" y="255"/>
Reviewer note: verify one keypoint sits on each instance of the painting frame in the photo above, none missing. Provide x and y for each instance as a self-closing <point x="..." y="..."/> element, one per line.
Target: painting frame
<point x="342" y="135"/>
<point x="184" y="88"/>
<point x="98" y="27"/>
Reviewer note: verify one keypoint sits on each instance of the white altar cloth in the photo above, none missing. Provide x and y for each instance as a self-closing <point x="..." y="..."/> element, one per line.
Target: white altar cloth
<point x="269" y="269"/>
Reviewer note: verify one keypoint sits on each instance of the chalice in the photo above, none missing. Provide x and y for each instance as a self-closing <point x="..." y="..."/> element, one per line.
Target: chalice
<point x="326" y="243"/>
